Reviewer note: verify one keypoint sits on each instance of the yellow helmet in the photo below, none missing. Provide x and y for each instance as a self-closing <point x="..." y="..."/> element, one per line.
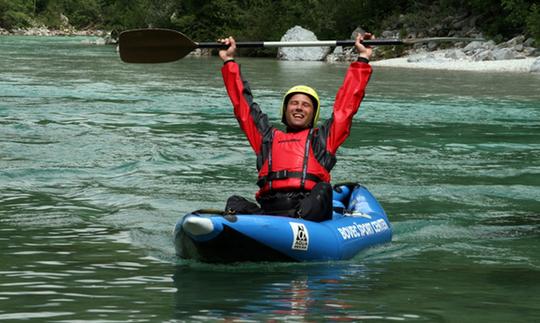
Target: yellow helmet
<point x="303" y="89"/>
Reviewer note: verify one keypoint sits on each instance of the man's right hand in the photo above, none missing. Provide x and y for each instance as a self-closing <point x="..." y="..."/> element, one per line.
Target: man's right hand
<point x="364" y="51"/>
<point x="229" y="53"/>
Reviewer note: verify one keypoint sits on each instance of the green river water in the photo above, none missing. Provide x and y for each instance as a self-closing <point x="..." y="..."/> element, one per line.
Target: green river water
<point x="98" y="159"/>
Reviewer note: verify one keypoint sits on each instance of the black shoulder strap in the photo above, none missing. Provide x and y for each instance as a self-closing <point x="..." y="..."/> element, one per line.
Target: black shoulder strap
<point x="269" y="160"/>
<point x="306" y="158"/>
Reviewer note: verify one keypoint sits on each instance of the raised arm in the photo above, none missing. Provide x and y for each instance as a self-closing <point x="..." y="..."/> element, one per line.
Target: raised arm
<point x="349" y="96"/>
<point x="253" y="122"/>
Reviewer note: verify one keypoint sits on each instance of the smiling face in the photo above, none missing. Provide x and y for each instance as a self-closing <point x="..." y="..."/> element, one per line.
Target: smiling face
<point x="299" y="112"/>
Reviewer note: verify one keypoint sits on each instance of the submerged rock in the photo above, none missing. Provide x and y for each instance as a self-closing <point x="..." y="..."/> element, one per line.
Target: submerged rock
<point x="298" y="33"/>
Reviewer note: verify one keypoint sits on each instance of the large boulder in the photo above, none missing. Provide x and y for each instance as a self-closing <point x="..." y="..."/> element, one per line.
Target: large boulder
<point x="298" y="33"/>
<point x="476" y="47"/>
<point x="456" y="54"/>
<point x="503" y="53"/>
<point x="485" y="55"/>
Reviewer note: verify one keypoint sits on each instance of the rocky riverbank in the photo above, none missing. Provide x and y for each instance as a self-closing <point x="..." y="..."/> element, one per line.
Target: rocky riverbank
<point x="102" y="37"/>
<point x="515" y="55"/>
<point x="439" y="61"/>
<point x="518" y="54"/>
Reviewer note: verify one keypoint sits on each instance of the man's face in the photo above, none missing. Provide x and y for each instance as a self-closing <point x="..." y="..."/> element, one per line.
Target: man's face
<point x="299" y="112"/>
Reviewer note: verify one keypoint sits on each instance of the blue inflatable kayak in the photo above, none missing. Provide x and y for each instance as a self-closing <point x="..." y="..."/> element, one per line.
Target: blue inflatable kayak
<point x="358" y="222"/>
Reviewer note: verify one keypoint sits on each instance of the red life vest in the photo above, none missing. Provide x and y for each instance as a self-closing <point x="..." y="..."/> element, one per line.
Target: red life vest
<point x="291" y="164"/>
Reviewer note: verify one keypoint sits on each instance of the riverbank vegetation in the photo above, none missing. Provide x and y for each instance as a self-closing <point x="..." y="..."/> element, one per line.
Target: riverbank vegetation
<point x="268" y="20"/>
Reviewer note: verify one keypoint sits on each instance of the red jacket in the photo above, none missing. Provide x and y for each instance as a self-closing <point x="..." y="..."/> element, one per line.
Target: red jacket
<point x="292" y="166"/>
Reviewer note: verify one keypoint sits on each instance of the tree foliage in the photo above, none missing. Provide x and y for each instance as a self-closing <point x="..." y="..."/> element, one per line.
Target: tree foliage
<point x="261" y="19"/>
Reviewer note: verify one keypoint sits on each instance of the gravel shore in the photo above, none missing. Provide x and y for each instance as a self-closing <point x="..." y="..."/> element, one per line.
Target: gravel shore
<point x="523" y="65"/>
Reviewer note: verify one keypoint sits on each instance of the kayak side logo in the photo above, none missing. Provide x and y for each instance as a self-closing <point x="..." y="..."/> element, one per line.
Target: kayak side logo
<point x="300" y="236"/>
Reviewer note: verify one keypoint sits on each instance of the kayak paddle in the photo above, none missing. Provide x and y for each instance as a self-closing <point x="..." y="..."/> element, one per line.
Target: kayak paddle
<point x="166" y="45"/>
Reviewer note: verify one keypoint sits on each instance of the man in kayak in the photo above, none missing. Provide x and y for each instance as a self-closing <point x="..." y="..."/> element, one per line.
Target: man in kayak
<point x="294" y="166"/>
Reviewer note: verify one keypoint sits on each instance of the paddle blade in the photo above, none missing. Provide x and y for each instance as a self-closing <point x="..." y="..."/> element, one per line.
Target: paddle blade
<point x="153" y="46"/>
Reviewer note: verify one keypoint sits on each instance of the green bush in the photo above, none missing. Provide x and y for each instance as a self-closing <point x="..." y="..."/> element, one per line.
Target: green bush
<point x="15" y="14"/>
<point x="533" y="23"/>
<point x="14" y="19"/>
